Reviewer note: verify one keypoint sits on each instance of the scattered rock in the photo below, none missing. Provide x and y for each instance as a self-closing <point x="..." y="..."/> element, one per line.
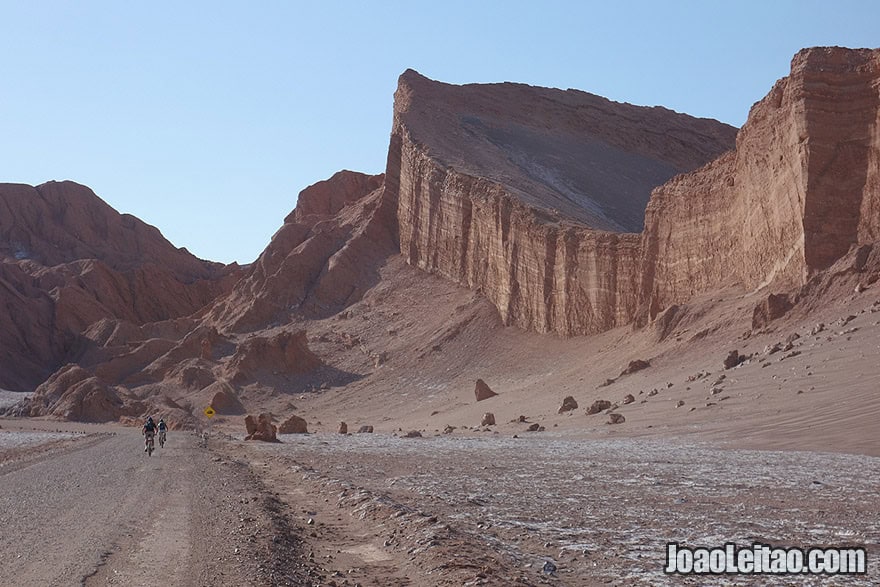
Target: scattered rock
<point x="343" y="428"/>
<point x="773" y="307"/>
<point x="568" y="404"/>
<point x="365" y="430"/>
<point x="413" y="434"/>
<point x="628" y="399"/>
<point x="772" y="348"/>
<point x="733" y="359"/>
<point x="483" y="391"/>
<point x="606" y="383"/>
<point x="635" y="366"/>
<point x="535" y="428"/>
<point x="294" y="425"/>
<point x="598" y="406"/>
<point x="616" y="419"/>
<point x="488" y="419"/>
<point x="679" y="403"/>
<point x="698" y="376"/>
<point x="820" y="327"/>
<point x="653" y="392"/>
<point x="449" y="429"/>
<point x="262" y="429"/>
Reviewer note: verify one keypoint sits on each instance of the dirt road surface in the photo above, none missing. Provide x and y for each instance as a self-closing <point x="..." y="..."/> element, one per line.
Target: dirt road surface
<point x="442" y="511"/>
<point x="95" y="510"/>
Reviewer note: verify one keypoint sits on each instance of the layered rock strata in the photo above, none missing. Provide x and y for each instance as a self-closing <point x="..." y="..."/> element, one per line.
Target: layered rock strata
<point x="534" y="196"/>
<point x="528" y="194"/>
<point x="801" y="188"/>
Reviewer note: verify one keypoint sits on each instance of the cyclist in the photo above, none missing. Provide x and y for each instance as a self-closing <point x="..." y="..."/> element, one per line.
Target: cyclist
<point x="163" y="428"/>
<point x="148" y="431"/>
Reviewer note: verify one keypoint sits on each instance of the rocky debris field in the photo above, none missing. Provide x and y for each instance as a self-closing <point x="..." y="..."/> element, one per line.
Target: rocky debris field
<point x="456" y="510"/>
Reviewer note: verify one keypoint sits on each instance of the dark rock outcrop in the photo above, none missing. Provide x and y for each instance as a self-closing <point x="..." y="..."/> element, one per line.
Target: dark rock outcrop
<point x="482" y="391"/>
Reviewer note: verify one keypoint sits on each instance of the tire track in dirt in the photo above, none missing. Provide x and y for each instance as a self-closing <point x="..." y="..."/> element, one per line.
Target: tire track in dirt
<point x="104" y="513"/>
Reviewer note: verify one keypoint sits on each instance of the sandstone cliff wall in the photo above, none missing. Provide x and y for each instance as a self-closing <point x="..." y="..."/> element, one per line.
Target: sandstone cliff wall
<point x="541" y="274"/>
<point x="800" y="189"/>
<point x="522" y="193"/>
<point x="550" y="249"/>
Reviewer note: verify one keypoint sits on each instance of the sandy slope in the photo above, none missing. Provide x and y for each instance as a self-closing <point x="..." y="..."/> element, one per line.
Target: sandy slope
<point x="435" y="340"/>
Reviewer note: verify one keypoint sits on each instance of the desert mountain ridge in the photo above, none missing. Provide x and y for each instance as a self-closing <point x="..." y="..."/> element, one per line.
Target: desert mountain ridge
<point x="555" y="212"/>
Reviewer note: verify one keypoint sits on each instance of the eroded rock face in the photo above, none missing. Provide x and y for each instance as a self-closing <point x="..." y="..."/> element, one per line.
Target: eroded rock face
<point x="528" y="193"/>
<point x="68" y="260"/>
<point x="798" y="191"/>
<point x="324" y="257"/>
<point x="772" y="307"/>
<point x="225" y="400"/>
<point x="285" y="352"/>
<point x="74" y="394"/>
<point x="516" y="191"/>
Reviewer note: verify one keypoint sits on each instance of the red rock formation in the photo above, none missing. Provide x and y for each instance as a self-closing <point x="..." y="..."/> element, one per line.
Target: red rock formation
<point x="263" y="429"/>
<point x="799" y="190"/>
<point x="286" y="353"/>
<point x="322" y="259"/>
<point x="532" y="196"/>
<point x="516" y="191"/>
<point x="524" y="192"/>
<point x="225" y="400"/>
<point x="294" y="425"/>
<point x="68" y="260"/>
<point x="73" y="394"/>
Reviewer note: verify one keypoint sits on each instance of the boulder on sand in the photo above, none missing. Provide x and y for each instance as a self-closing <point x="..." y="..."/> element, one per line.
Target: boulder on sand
<point x="261" y="429"/>
<point x="598" y="406"/>
<point x="294" y="425"/>
<point x="483" y="391"/>
<point x="568" y="404"/>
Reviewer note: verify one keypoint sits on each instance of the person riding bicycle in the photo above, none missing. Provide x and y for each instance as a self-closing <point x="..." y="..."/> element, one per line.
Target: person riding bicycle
<point x="163" y="428"/>
<point x="149" y="431"/>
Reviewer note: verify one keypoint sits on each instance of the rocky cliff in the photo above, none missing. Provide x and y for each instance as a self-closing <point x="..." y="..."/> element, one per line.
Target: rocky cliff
<point x="800" y="189"/>
<point x="546" y="201"/>
<point x="67" y="260"/>
<point x="534" y="196"/>
<point x="322" y="259"/>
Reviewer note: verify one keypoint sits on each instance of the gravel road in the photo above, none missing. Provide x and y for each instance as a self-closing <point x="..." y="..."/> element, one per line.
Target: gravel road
<point x="98" y="511"/>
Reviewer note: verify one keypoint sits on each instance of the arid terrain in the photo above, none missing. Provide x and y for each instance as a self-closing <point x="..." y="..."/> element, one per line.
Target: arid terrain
<point x="679" y="321"/>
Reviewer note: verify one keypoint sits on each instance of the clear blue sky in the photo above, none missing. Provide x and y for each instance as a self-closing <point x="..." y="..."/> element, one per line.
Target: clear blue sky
<point x="207" y="118"/>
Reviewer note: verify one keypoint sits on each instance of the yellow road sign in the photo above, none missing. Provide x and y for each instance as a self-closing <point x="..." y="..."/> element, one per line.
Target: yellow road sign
<point x="209" y="412"/>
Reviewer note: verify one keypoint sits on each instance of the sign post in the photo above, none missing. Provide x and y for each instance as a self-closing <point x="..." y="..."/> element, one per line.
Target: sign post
<point x="209" y="413"/>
